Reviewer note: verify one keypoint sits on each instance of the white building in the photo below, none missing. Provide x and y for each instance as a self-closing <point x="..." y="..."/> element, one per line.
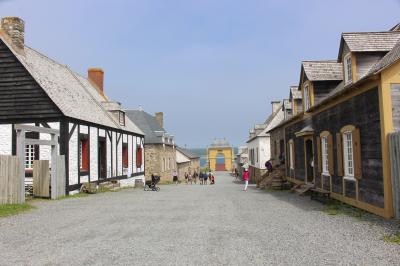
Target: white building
<point x="99" y="142"/>
<point x="258" y="145"/>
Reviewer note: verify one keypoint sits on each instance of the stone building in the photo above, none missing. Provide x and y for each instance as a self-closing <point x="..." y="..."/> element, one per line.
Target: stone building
<point x="160" y="149"/>
<point x="187" y="162"/>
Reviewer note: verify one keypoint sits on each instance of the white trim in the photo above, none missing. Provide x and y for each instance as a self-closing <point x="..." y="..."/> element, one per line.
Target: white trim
<point x="347" y="153"/>
<point x="291" y="155"/>
<point x="348" y="71"/>
<point x="306" y="95"/>
<point x="324" y="156"/>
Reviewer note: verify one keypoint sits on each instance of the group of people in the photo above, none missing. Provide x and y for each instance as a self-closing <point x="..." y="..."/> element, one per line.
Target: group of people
<point x="203" y="178"/>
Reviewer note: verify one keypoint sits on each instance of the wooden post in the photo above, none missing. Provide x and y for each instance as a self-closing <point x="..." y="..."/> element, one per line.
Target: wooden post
<point x="21" y="159"/>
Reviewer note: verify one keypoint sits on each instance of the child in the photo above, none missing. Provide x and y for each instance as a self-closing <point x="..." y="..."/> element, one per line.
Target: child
<point x="246" y="179"/>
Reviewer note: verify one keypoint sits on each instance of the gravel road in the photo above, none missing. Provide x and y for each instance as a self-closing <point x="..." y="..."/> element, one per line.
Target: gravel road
<point x="191" y="225"/>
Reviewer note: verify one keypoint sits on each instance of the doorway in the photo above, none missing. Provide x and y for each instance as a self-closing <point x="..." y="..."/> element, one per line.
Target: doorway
<point x="309" y="160"/>
<point x="220" y="162"/>
<point x="102" y="158"/>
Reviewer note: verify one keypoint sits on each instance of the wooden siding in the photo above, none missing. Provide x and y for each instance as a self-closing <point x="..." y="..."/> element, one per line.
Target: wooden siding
<point x="365" y="61"/>
<point x="322" y="89"/>
<point x="361" y="111"/>
<point x="396" y="106"/>
<point x="21" y="97"/>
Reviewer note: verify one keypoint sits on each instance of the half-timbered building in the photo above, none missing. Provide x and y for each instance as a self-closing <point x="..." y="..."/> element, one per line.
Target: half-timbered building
<point x="339" y="142"/>
<point x="99" y="142"/>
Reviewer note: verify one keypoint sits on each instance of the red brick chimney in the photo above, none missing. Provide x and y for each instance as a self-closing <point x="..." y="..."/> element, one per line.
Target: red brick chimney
<point x="96" y="77"/>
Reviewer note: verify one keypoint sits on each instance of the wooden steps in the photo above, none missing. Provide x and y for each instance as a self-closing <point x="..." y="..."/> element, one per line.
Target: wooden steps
<point x="302" y="189"/>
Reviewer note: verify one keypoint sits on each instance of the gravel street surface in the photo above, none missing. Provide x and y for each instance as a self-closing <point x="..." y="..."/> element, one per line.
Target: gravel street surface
<point x="192" y="225"/>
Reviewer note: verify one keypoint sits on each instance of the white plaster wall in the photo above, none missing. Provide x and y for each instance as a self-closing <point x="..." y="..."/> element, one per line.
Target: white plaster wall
<point x="262" y="143"/>
<point x="114" y="154"/>
<point x="134" y="140"/>
<point x="141" y="145"/>
<point x="73" y="157"/>
<point x="119" y="162"/>
<point x="83" y="129"/>
<point x="108" y="157"/>
<point x="5" y="139"/>
<point x="44" y="150"/>
<point x="130" y="182"/>
<point x="102" y="133"/>
<point x="125" y="138"/>
<point x="129" y="155"/>
<point x="94" y="176"/>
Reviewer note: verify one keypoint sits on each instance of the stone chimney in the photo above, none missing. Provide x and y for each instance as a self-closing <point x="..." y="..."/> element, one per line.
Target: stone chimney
<point x="15" y="29"/>
<point x="96" y="77"/>
<point x="275" y="106"/>
<point x="160" y="118"/>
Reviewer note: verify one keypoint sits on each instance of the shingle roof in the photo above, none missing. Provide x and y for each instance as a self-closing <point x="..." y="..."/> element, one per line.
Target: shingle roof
<point x="323" y="70"/>
<point x="295" y="93"/>
<point x="371" y="41"/>
<point x="73" y="94"/>
<point x="387" y="60"/>
<point x="148" y="124"/>
<point x="187" y="153"/>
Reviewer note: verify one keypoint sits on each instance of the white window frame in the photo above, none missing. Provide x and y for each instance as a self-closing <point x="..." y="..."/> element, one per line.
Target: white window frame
<point x="291" y="155"/>
<point x="306" y="96"/>
<point x="348" y="70"/>
<point x="348" y="155"/>
<point x="324" y="156"/>
<point x="29" y="156"/>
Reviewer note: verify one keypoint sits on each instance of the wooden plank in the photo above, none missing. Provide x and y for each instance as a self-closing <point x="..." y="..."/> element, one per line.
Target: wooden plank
<point x="37" y="129"/>
<point x="60" y="177"/>
<point x="41" y="178"/>
<point x="10" y="187"/>
<point x="40" y="142"/>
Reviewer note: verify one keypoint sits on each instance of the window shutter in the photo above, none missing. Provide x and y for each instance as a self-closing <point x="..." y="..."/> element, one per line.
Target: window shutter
<point x="357" y="153"/>
<point x="330" y="155"/>
<point x="339" y="153"/>
<point x="319" y="155"/>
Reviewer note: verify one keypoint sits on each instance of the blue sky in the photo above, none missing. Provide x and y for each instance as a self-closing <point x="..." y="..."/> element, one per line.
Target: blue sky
<point x="212" y="66"/>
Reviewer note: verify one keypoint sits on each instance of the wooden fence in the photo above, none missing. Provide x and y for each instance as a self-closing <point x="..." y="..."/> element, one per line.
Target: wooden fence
<point x="10" y="181"/>
<point x="41" y="179"/>
<point x="394" y="143"/>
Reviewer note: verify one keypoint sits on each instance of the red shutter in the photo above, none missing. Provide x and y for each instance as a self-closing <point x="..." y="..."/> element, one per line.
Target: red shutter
<point x="125" y="156"/>
<point x="139" y="157"/>
<point x="85" y="154"/>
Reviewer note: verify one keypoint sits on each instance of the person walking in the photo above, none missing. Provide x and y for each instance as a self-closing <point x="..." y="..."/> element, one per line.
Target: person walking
<point x="246" y="179"/>
<point x="186" y="178"/>
<point x="190" y="178"/>
<point x="195" y="175"/>
<point x="175" y="177"/>
<point x="201" y="178"/>
<point x="205" y="177"/>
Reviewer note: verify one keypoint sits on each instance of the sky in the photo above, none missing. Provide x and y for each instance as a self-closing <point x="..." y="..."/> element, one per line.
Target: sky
<point x="212" y="66"/>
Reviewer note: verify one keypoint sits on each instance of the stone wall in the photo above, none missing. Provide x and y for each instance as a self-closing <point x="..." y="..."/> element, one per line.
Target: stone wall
<point x="160" y="159"/>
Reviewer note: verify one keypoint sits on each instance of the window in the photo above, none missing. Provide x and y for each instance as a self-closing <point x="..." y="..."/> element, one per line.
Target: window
<point x="291" y="155"/>
<point x="29" y="156"/>
<point x="306" y="97"/>
<point x="125" y="163"/>
<point x="348" y="154"/>
<point x="257" y="154"/>
<point x="348" y="72"/>
<point x="122" y="118"/>
<point x="84" y="153"/>
<point x="325" y="155"/>
<point x="139" y="156"/>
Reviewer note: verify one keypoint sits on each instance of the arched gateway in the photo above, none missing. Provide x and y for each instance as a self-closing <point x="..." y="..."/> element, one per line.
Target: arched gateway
<point x="220" y="156"/>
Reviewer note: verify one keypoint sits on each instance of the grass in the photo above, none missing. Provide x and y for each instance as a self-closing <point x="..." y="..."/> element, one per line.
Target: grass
<point x="393" y="238"/>
<point x="14" y="209"/>
<point x="334" y="207"/>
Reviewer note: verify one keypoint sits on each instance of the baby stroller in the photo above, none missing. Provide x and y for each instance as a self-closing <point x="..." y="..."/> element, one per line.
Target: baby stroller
<point x="151" y="185"/>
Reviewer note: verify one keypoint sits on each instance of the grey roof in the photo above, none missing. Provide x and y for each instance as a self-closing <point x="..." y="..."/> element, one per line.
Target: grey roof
<point x="371" y="41"/>
<point x="295" y="93"/>
<point x="387" y="60"/>
<point x="73" y="94"/>
<point x="323" y="70"/>
<point x="187" y="153"/>
<point x="148" y="124"/>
